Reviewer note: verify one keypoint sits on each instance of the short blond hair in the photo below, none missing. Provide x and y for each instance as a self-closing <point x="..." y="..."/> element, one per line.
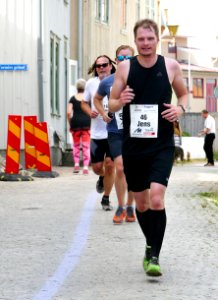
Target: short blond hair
<point x="124" y="47"/>
<point x="80" y="85"/>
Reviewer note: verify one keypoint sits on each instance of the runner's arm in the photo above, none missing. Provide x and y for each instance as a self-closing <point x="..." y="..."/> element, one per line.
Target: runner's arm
<point x="87" y="109"/>
<point x="98" y="102"/>
<point x="172" y="113"/>
<point x="180" y="88"/>
<point x="121" y="94"/>
<point x="69" y="111"/>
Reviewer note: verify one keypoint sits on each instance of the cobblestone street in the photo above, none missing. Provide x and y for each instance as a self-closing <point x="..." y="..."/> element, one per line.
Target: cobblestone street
<point x="57" y="243"/>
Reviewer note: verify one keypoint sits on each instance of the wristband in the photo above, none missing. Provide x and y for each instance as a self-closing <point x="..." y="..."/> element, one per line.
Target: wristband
<point x="182" y="107"/>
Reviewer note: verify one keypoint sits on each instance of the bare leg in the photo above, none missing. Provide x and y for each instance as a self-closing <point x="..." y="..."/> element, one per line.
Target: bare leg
<point x="109" y="175"/>
<point x="98" y="168"/>
<point x="130" y="198"/>
<point x="120" y="181"/>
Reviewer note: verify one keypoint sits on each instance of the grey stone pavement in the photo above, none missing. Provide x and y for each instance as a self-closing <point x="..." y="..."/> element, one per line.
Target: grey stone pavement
<point x="57" y="243"/>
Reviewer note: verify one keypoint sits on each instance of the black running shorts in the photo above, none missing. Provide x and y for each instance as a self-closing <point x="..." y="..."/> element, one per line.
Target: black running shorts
<point x="99" y="150"/>
<point x="115" y="141"/>
<point x="140" y="172"/>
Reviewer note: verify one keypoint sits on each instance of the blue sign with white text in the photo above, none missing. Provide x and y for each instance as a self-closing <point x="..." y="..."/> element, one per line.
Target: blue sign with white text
<point x="14" y="67"/>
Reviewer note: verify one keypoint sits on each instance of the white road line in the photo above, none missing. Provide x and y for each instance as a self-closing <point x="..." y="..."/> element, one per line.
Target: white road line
<point x="72" y="256"/>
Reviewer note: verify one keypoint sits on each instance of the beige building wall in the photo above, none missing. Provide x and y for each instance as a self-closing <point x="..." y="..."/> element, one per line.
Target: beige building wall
<point x="103" y="38"/>
<point x="73" y="29"/>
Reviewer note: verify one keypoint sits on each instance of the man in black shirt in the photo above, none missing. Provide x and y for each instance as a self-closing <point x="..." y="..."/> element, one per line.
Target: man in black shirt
<point x="143" y="87"/>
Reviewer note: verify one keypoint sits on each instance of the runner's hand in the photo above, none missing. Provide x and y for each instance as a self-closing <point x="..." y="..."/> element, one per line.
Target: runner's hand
<point x="127" y="96"/>
<point x="172" y="113"/>
<point x="106" y="118"/>
<point x="94" y="114"/>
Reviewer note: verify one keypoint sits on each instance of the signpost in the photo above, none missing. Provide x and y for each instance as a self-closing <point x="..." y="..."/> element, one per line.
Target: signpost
<point x="13" y="67"/>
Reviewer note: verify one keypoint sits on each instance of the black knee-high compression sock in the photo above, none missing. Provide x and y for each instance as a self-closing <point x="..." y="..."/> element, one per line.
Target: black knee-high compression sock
<point x="144" y="221"/>
<point x="157" y="228"/>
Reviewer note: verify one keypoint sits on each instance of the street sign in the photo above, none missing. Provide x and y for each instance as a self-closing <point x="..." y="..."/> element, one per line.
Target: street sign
<point x="13" y="67"/>
<point x="216" y="92"/>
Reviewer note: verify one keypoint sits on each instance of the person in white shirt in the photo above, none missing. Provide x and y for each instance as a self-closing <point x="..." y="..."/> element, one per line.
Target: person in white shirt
<point x="125" y="209"/>
<point x="209" y="132"/>
<point x="102" y="163"/>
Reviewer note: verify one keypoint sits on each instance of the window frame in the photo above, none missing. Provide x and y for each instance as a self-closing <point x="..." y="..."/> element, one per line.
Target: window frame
<point x="54" y="74"/>
<point x="102" y="11"/>
<point x="185" y="80"/>
<point x="138" y="9"/>
<point x="124" y="14"/>
<point x="196" y="88"/>
<point x="150" y="9"/>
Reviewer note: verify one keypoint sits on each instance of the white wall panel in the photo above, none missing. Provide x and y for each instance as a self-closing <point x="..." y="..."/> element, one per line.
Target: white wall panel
<point x="19" y="32"/>
<point x="19" y="27"/>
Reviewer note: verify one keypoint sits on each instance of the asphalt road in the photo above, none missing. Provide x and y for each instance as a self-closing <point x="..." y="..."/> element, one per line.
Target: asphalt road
<point x="57" y="243"/>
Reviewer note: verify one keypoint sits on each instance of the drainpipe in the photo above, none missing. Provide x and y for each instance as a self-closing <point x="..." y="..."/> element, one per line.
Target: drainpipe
<point x="80" y="38"/>
<point x="40" y="61"/>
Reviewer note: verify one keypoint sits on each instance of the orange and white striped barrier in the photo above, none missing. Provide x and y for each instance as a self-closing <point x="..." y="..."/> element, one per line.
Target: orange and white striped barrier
<point x="13" y="145"/>
<point x="43" y="159"/>
<point x="29" y="139"/>
<point x="37" y="150"/>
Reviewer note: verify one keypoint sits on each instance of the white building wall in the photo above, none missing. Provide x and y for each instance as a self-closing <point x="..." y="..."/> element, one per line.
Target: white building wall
<point x="19" y="44"/>
<point x="57" y="22"/>
<point x="19" y="33"/>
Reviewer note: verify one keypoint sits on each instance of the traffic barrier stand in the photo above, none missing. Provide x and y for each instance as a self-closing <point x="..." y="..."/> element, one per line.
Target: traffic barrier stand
<point x="13" y="151"/>
<point x="43" y="158"/>
<point x="29" y="142"/>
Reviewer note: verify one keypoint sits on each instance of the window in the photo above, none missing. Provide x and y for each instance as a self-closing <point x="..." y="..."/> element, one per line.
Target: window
<point x="54" y="74"/>
<point x="102" y="10"/>
<point x="198" y="88"/>
<point x="171" y="47"/>
<point x="137" y="9"/>
<point x="66" y="67"/>
<point x="124" y="14"/>
<point x="73" y="76"/>
<point x="150" y="9"/>
<point x="185" y="80"/>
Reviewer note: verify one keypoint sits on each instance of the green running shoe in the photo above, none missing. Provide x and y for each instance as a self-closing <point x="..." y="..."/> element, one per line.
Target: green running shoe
<point x="147" y="257"/>
<point x="153" y="268"/>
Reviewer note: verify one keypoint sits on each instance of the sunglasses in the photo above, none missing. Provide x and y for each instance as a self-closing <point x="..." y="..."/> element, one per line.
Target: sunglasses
<point x="102" y="65"/>
<point x="122" y="57"/>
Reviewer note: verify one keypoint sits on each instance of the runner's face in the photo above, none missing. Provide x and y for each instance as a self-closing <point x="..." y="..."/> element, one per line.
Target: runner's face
<point x="103" y="71"/>
<point x="146" y="41"/>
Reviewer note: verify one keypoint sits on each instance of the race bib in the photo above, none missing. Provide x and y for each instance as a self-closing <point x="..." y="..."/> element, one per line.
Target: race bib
<point x="105" y="105"/>
<point x="119" y="118"/>
<point x="143" y="121"/>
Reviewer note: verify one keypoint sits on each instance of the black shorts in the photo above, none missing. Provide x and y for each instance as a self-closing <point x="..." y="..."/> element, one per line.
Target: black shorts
<point x="99" y="150"/>
<point x="140" y="172"/>
<point x="115" y="141"/>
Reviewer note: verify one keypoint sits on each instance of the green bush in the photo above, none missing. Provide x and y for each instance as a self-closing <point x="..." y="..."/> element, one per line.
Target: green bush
<point x="211" y="196"/>
<point x="216" y="156"/>
<point x="185" y="133"/>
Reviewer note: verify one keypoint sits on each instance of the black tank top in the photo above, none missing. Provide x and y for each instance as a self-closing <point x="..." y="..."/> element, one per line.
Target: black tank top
<point x="151" y="86"/>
